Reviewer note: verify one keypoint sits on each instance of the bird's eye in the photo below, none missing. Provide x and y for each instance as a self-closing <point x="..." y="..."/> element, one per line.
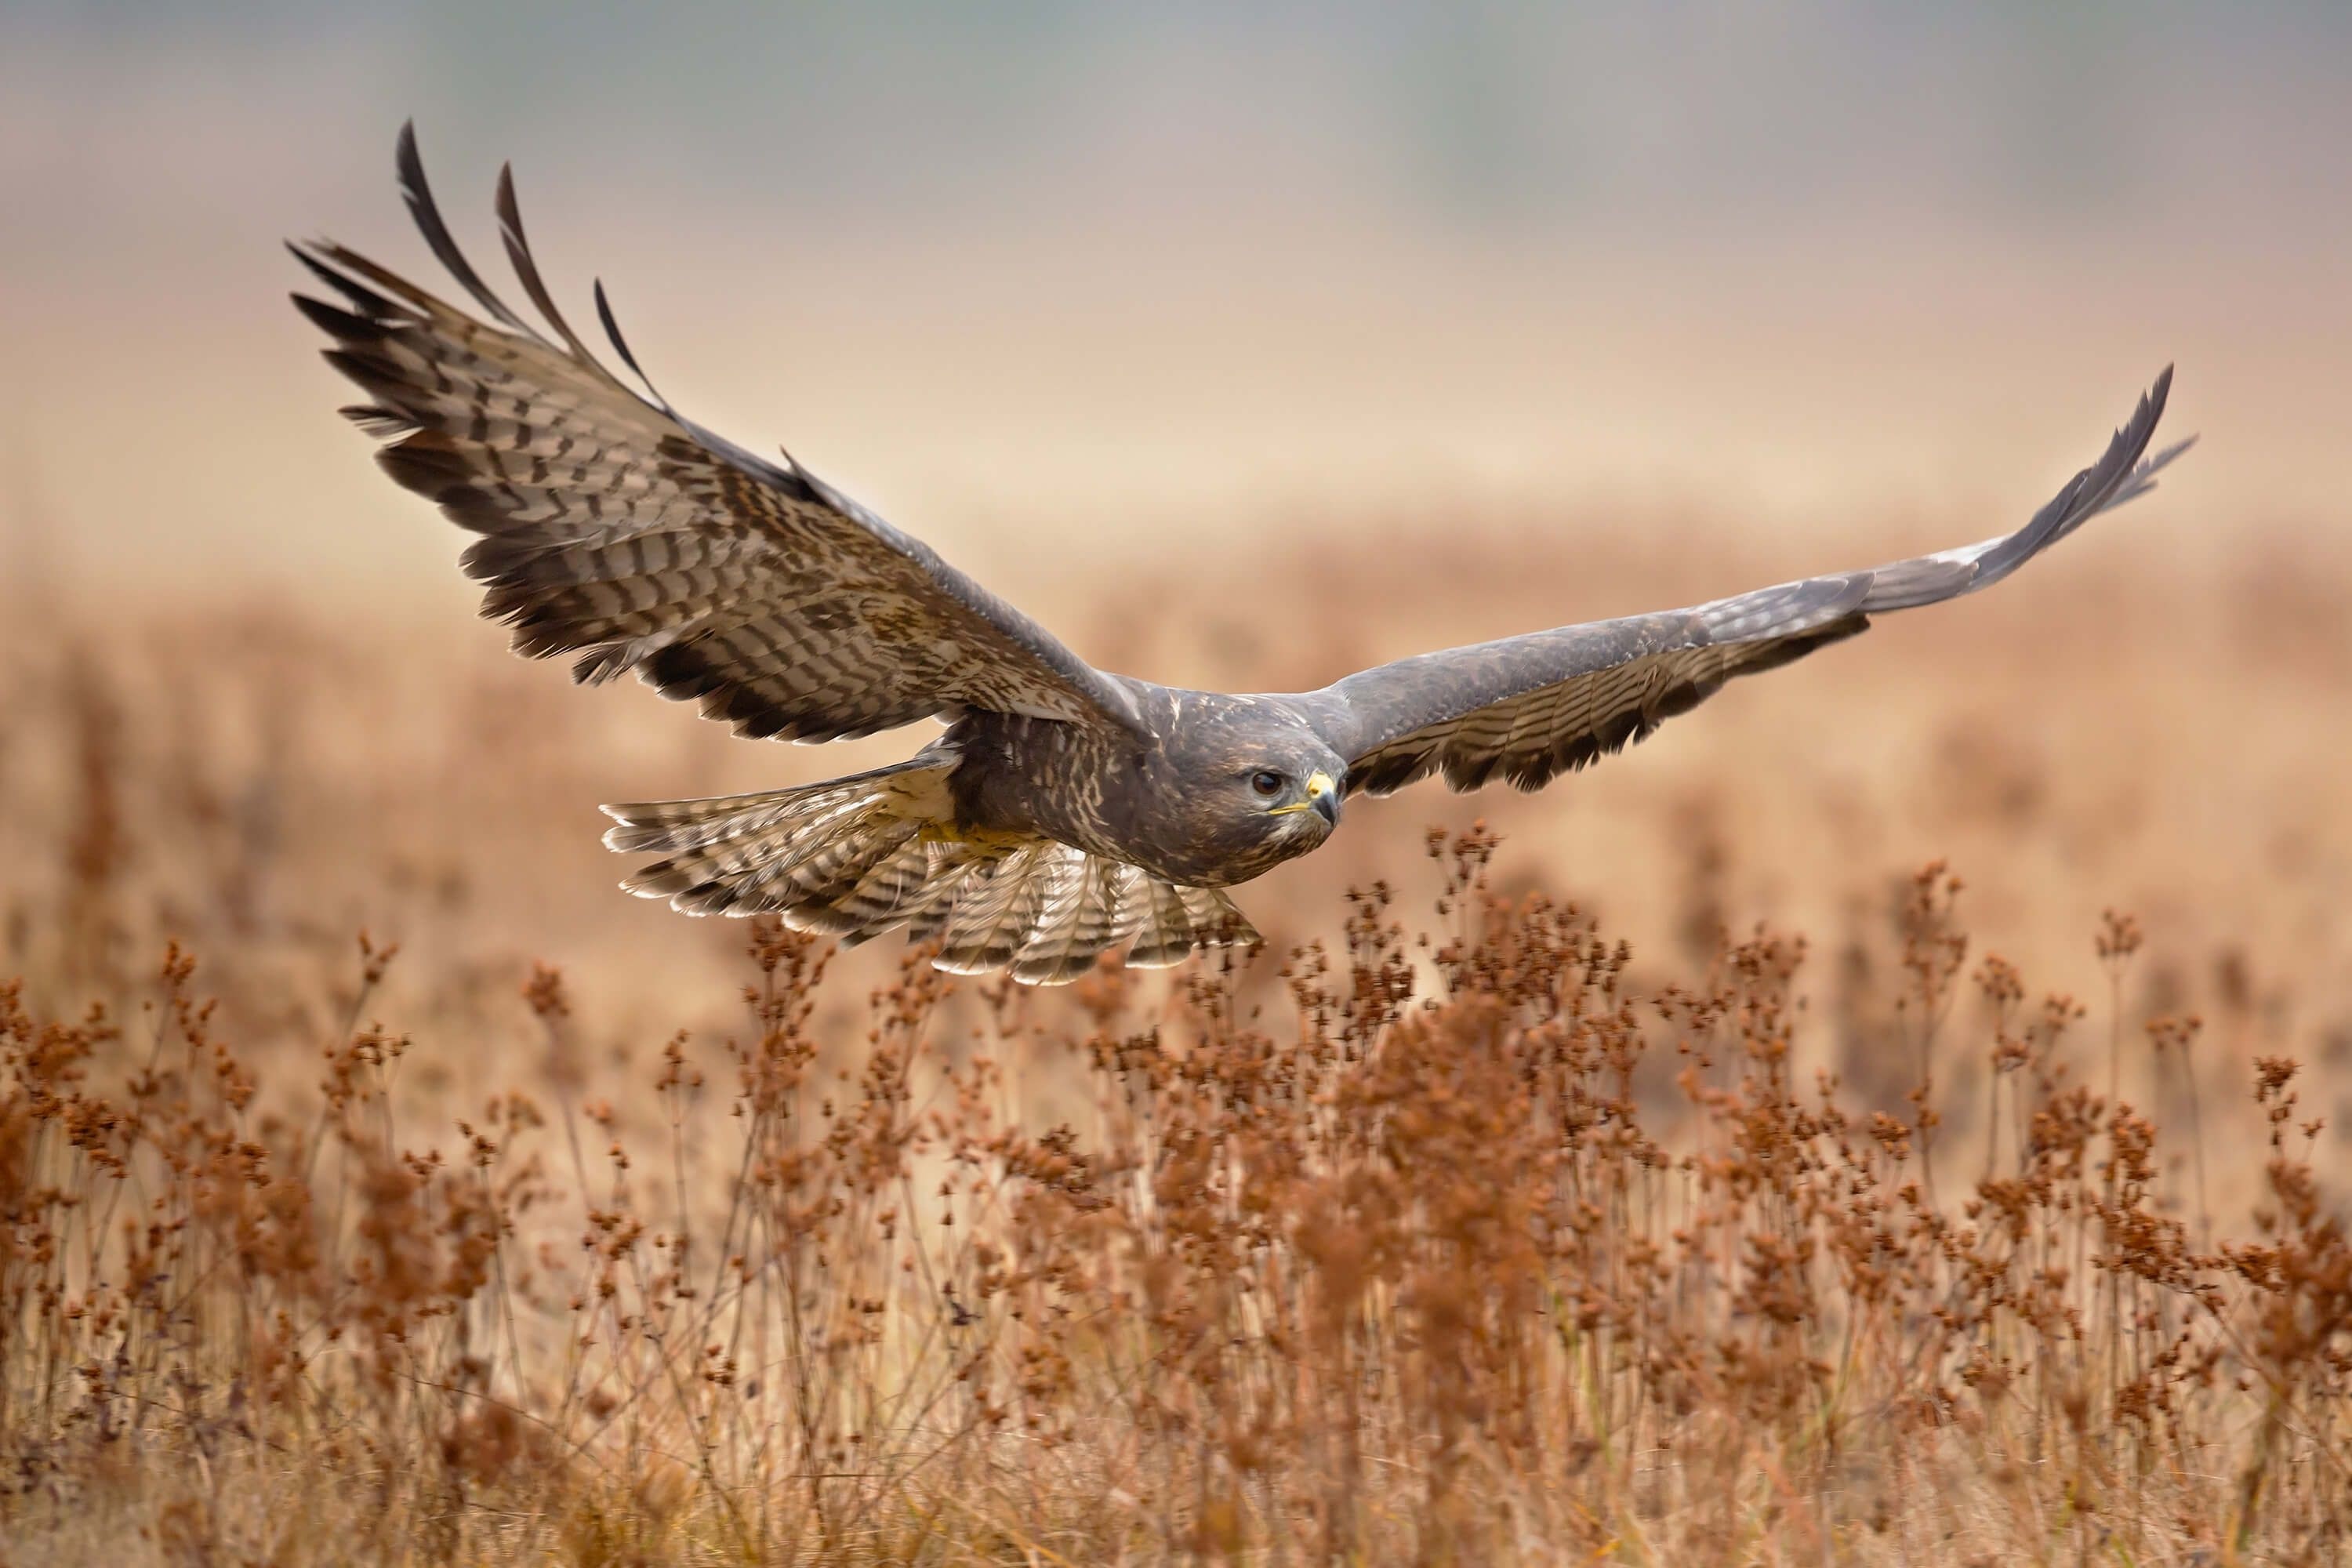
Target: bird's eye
<point x="1266" y="780"/>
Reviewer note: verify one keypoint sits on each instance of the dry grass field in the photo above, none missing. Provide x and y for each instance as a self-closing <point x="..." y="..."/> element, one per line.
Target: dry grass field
<point x="1898" y="1114"/>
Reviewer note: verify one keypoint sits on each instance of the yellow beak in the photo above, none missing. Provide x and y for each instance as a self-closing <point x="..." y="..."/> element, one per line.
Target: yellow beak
<point x="1322" y="795"/>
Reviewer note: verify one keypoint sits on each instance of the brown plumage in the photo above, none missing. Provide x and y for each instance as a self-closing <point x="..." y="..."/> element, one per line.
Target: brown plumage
<point x="1066" y="811"/>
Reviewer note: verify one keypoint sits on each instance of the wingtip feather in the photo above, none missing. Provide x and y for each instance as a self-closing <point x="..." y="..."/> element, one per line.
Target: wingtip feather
<point x="426" y="214"/>
<point x="526" y="267"/>
<point x="620" y="347"/>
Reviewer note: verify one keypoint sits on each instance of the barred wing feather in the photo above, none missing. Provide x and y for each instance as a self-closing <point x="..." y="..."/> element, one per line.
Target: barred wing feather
<point x="616" y="530"/>
<point x="1528" y="709"/>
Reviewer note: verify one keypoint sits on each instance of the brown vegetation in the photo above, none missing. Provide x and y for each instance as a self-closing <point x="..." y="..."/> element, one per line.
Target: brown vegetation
<point x="1451" y="1229"/>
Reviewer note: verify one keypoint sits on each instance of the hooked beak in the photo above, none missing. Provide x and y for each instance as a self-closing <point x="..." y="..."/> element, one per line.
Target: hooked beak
<point x="1324" y="796"/>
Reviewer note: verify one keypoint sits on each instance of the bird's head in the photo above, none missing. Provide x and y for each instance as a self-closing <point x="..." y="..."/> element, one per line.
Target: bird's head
<point x="1264" y="791"/>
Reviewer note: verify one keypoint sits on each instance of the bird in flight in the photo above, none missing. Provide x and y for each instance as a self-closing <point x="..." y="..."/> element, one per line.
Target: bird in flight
<point x="1064" y="811"/>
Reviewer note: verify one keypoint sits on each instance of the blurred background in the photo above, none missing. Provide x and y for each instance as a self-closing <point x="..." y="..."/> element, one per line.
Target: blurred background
<point x="1073" y="277"/>
<point x="1243" y="344"/>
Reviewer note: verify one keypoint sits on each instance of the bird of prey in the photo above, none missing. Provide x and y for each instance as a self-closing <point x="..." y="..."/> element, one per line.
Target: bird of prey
<point x="1064" y="811"/>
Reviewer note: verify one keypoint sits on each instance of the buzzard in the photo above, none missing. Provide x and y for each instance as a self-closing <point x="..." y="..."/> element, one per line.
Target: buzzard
<point x="1064" y="811"/>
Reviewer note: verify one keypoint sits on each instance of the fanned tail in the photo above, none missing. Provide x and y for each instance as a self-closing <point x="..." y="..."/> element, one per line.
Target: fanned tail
<point x="858" y="857"/>
<point x="1046" y="912"/>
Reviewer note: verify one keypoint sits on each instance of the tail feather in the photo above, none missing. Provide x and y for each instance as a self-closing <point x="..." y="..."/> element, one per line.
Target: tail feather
<point x="895" y="888"/>
<point x="1084" y="901"/>
<point x="988" y="924"/>
<point x="858" y="857"/>
<point x="1174" y="921"/>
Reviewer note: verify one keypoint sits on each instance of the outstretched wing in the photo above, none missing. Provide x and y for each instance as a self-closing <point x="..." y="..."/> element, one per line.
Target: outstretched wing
<point x="1530" y="708"/>
<point x="617" y="530"/>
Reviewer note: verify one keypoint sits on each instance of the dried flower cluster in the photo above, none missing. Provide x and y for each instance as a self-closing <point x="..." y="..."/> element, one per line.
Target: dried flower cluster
<point x="1455" y="1248"/>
